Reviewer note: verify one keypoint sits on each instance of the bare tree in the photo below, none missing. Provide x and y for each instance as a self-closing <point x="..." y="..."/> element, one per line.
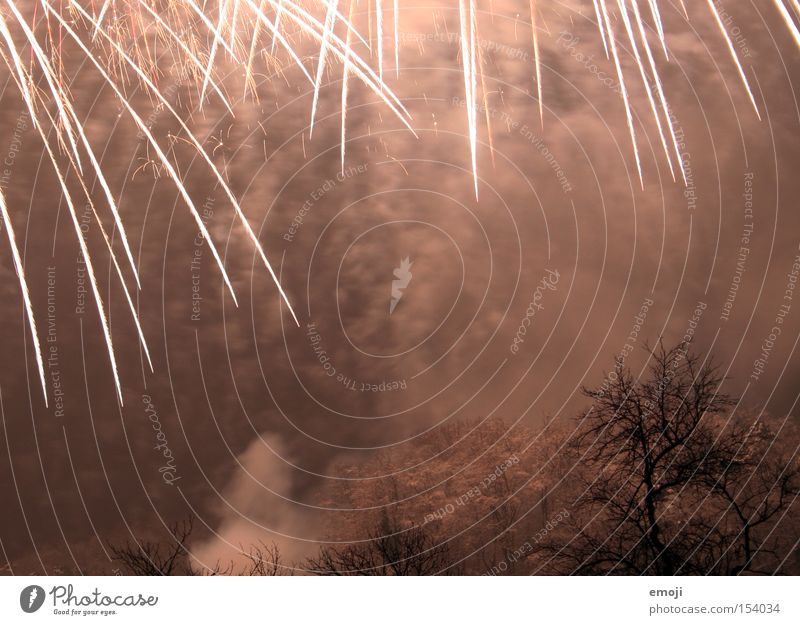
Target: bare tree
<point x="669" y="482"/>
<point x="157" y="558"/>
<point x="755" y="487"/>
<point x="171" y="557"/>
<point x="390" y="550"/>
<point x="265" y="561"/>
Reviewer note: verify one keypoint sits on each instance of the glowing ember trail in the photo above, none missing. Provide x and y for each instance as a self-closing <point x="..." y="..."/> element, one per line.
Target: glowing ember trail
<point x="122" y="40"/>
<point x="537" y="60"/>
<point x="735" y="56"/>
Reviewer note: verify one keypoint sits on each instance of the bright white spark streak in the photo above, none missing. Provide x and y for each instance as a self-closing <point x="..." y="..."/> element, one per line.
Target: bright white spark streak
<point x="470" y="84"/>
<point x="397" y="37"/>
<point x="232" y="25"/>
<point x="278" y="15"/>
<point x="787" y="17"/>
<point x="88" y="260"/>
<point x="600" y="26"/>
<point x="179" y="42"/>
<point x="537" y="59"/>
<point x="103" y="10"/>
<point x="113" y="257"/>
<point x="379" y="26"/>
<point x="659" y="88"/>
<point x="345" y="76"/>
<point x="309" y="24"/>
<point x="330" y="19"/>
<point x="23" y="284"/>
<point x="473" y="44"/>
<point x="277" y="35"/>
<point x="146" y="131"/>
<point x="735" y="56"/>
<point x="635" y="47"/>
<point x="125" y="289"/>
<point x="220" y="179"/>
<point x="62" y="103"/>
<point x="623" y="88"/>
<point x="58" y="95"/>
<point x="248" y="72"/>
<point x="210" y="25"/>
<point x="223" y="11"/>
<point x="659" y="25"/>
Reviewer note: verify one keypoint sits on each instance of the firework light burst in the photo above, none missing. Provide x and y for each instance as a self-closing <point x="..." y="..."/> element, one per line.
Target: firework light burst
<point x="118" y="38"/>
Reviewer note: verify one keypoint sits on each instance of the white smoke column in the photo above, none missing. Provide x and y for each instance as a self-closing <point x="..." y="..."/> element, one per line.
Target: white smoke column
<point x="255" y="509"/>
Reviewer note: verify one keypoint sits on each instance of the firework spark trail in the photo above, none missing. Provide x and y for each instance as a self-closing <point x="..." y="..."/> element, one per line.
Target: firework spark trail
<point x="330" y="19"/>
<point x="473" y="44"/>
<point x="613" y="44"/>
<point x="735" y="56"/>
<point x="103" y="230"/>
<point x="190" y="55"/>
<point x="468" y="55"/>
<point x="66" y="113"/>
<point x="200" y="51"/>
<point x="87" y="259"/>
<point x="146" y="131"/>
<point x="125" y="289"/>
<point x="276" y="34"/>
<point x="89" y="269"/>
<point x="251" y="56"/>
<point x="278" y="15"/>
<point x="656" y="13"/>
<point x="22" y="79"/>
<point x="313" y="27"/>
<point x="210" y="25"/>
<point x="58" y="94"/>
<point x="345" y="76"/>
<point x="659" y="88"/>
<point x="537" y="59"/>
<point x="233" y="25"/>
<point x="379" y="29"/>
<point x="67" y="196"/>
<point x="193" y="139"/>
<point x="346" y="21"/>
<point x="26" y="298"/>
<point x="787" y="17"/>
<point x="103" y="10"/>
<point x="223" y="9"/>
<point x="600" y="26"/>
<point x="635" y="47"/>
<point x="397" y="37"/>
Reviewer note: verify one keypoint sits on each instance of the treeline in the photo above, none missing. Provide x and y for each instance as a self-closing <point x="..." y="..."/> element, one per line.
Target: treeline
<point x="662" y="475"/>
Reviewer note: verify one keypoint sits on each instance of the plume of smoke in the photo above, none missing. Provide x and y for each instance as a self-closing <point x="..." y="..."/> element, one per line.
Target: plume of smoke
<point x="255" y="508"/>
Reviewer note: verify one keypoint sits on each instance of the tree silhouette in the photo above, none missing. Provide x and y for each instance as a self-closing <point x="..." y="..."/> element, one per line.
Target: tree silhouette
<point x="149" y="558"/>
<point x="670" y="481"/>
<point x="390" y="550"/>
